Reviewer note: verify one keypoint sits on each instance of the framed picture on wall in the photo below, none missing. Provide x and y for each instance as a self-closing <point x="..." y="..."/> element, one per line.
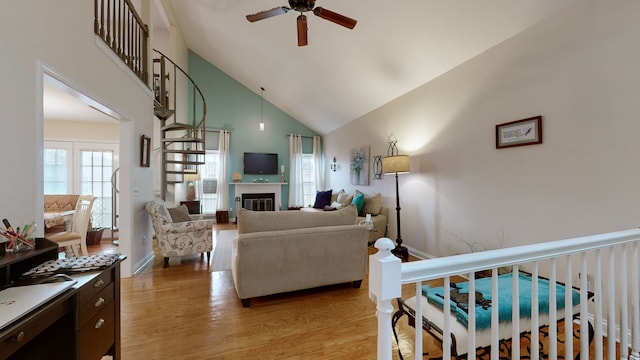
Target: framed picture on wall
<point x="519" y="133"/>
<point x="145" y="151"/>
<point x="359" y="169"/>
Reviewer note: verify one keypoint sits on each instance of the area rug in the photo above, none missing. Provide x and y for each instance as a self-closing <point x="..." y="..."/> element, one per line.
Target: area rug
<point x="222" y="242"/>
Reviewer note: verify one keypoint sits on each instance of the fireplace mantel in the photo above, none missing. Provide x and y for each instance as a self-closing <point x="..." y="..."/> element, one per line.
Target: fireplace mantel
<point x="261" y="187"/>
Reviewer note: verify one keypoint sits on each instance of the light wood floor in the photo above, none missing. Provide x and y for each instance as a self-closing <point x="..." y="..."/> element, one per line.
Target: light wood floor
<point x="187" y="312"/>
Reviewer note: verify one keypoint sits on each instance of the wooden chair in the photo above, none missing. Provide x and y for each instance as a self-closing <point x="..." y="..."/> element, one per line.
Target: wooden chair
<point x="78" y="233"/>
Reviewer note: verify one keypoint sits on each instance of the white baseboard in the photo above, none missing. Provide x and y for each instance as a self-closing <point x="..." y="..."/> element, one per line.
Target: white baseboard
<point x="419" y="254"/>
<point x="142" y="264"/>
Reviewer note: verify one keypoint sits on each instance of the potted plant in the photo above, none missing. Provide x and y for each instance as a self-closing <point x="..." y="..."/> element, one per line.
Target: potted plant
<point x="94" y="234"/>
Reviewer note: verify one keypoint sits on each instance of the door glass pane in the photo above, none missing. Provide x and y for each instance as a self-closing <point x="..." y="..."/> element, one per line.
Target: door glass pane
<point x="96" y="170"/>
<point x="55" y="171"/>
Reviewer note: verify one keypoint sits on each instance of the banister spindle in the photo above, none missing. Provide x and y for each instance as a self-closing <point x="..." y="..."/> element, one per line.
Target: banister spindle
<point x="568" y="305"/>
<point x="107" y="38"/>
<point x="553" y="315"/>
<point x="597" y="289"/>
<point x="635" y="301"/>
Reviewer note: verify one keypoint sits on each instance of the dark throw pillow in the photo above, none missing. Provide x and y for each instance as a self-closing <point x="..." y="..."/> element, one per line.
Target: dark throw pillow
<point x="179" y="214"/>
<point x="323" y="198"/>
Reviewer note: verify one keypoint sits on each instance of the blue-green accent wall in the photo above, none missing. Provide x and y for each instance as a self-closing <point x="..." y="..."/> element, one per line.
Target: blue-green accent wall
<point x="234" y="107"/>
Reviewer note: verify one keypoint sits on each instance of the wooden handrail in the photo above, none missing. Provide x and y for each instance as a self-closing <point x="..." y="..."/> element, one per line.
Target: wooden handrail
<point x="118" y="24"/>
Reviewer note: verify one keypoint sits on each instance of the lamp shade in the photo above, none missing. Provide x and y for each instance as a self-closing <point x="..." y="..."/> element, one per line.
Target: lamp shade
<point x="395" y="164"/>
<point x="192" y="176"/>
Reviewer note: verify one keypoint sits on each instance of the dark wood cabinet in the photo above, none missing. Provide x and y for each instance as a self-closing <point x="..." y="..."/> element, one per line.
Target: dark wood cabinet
<point x="83" y="322"/>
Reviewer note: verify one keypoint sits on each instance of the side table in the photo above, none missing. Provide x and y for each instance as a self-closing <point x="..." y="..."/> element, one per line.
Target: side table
<point x="192" y="205"/>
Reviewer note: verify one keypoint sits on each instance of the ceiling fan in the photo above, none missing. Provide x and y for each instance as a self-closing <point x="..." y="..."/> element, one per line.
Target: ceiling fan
<point x="303" y="6"/>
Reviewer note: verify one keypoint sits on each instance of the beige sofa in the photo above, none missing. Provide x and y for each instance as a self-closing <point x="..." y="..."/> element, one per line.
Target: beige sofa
<point x="372" y="205"/>
<point x="282" y="251"/>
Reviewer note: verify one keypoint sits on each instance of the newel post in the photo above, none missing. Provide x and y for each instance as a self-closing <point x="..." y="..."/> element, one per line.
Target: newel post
<point x="384" y="286"/>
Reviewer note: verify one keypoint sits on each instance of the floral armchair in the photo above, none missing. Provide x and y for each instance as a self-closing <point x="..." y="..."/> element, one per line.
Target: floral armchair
<point x="179" y="238"/>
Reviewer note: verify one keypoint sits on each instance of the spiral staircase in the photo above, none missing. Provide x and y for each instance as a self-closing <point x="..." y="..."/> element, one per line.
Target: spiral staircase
<point x="181" y="109"/>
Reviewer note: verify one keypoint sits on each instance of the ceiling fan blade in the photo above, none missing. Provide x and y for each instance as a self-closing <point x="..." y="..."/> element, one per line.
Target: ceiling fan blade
<point x="302" y="30"/>
<point x="268" y="13"/>
<point x="335" y="17"/>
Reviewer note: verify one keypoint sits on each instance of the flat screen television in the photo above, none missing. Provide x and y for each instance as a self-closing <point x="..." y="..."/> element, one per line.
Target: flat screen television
<point x="260" y="164"/>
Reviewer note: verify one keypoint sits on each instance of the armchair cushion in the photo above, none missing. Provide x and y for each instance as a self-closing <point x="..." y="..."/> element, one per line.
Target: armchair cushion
<point x="179" y="214"/>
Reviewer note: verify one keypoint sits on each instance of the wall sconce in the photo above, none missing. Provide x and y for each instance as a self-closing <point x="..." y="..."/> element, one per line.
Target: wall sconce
<point x="334" y="165"/>
<point x="377" y="167"/>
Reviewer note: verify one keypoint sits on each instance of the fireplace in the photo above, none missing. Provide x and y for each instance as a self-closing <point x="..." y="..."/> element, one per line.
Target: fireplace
<point x="259" y="201"/>
<point x="248" y="189"/>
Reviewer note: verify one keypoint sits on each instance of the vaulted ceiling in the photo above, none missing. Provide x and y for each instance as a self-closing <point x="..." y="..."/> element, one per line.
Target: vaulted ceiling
<point x="343" y="74"/>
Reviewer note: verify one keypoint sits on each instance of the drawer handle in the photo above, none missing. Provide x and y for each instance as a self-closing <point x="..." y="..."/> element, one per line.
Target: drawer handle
<point x="20" y="336"/>
<point x="99" y="323"/>
<point x="99" y="302"/>
<point x="98" y="283"/>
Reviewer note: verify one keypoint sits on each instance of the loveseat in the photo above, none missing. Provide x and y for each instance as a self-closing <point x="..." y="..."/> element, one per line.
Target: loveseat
<point x="282" y="251"/>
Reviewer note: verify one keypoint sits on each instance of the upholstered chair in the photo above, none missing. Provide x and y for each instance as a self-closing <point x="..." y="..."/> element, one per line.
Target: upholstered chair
<point x="179" y="238"/>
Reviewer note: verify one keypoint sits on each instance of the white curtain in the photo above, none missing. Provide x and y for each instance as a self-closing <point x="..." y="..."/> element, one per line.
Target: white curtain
<point x="317" y="163"/>
<point x="222" y="202"/>
<point x="296" y="195"/>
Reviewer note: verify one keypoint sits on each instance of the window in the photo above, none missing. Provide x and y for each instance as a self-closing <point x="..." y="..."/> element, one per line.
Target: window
<point x="95" y="178"/>
<point x="210" y="182"/>
<point x="57" y="167"/>
<point x="84" y="169"/>
<point x="309" y="186"/>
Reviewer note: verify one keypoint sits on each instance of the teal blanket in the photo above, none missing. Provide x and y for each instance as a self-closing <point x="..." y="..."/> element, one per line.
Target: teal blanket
<point x="505" y="298"/>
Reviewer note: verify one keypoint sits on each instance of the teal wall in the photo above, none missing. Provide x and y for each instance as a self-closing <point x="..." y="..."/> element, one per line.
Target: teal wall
<point x="232" y="106"/>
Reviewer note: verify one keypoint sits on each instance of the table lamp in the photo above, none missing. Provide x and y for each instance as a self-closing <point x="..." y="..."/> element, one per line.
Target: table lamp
<point x="191" y="189"/>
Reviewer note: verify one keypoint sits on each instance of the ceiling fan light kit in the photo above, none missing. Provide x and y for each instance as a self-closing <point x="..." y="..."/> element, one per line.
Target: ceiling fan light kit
<point x="303" y="6"/>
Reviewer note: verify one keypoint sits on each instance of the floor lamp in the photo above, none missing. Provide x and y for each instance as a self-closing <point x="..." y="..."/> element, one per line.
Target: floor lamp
<point x="396" y="164"/>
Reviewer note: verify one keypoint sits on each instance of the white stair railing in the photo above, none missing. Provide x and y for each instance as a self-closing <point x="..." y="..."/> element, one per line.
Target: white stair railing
<point x="609" y="293"/>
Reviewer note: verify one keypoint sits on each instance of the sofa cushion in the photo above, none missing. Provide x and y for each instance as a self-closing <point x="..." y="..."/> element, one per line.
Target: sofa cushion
<point x="323" y="198"/>
<point x="358" y="200"/>
<point x="372" y="204"/>
<point x="255" y="221"/>
<point x="344" y="198"/>
<point x="179" y="214"/>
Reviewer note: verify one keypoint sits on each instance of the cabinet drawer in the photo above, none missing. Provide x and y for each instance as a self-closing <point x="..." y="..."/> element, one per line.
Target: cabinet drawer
<point x="93" y="287"/>
<point x="20" y="334"/>
<point x="98" y="335"/>
<point x="88" y="309"/>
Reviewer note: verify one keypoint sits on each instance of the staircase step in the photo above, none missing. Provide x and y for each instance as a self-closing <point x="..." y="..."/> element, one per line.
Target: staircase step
<point x="189" y="151"/>
<point x="177" y="126"/>
<point x="183" y="140"/>
<point x="193" y="162"/>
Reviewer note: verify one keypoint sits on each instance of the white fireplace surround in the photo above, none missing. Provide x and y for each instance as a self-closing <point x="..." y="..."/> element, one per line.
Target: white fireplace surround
<point x="257" y="188"/>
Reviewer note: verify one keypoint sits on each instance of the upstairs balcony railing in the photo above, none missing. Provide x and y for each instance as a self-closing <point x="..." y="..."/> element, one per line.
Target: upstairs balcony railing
<point x="608" y="307"/>
<point x="118" y="24"/>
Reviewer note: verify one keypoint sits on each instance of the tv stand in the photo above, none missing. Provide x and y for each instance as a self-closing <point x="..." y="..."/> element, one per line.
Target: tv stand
<point x="82" y="322"/>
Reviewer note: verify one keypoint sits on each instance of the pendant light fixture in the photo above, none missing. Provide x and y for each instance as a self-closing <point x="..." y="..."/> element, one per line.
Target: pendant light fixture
<point x="261" y="109"/>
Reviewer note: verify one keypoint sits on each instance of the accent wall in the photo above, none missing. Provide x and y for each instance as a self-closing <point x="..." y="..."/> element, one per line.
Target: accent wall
<point x="235" y="107"/>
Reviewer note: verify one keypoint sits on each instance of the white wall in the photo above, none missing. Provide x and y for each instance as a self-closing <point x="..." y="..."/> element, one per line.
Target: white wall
<point x="33" y="39"/>
<point x="81" y="131"/>
<point x="579" y="70"/>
